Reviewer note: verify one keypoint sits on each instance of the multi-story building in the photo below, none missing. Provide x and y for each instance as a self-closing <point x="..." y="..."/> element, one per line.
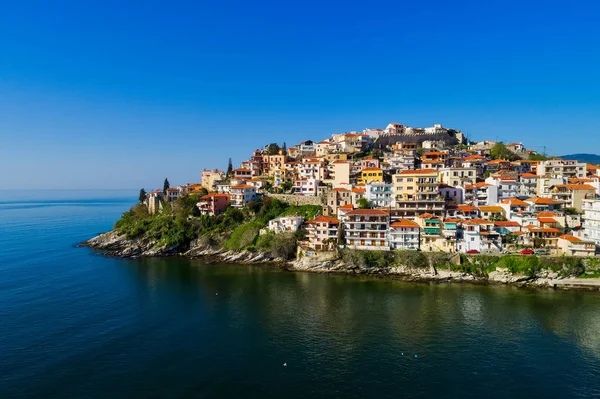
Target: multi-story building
<point x="544" y="185"/>
<point x="341" y="173"/>
<point x="458" y="176"/>
<point x="479" y="235"/>
<point x="561" y="168"/>
<point x="573" y="246"/>
<point x="527" y="185"/>
<point x="506" y="185"/>
<point x="416" y="192"/>
<point x="404" y="235"/>
<point x="285" y="224"/>
<point x="321" y="233"/>
<point x="381" y="195"/>
<point x="370" y="175"/>
<point x="306" y="186"/>
<point x="172" y="194"/>
<point x="214" y="204"/>
<point x="572" y="195"/>
<point x="485" y="194"/>
<point x="336" y="198"/>
<point x="209" y="178"/>
<point x="591" y="220"/>
<point x="367" y="229"/>
<point x="242" y="194"/>
<point x="242" y="173"/>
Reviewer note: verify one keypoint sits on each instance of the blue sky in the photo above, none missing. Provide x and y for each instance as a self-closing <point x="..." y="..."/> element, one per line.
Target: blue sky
<point x="121" y="94"/>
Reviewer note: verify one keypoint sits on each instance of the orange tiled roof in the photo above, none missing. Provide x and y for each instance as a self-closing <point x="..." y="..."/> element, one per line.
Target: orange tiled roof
<point x="542" y="201"/>
<point x="507" y="224"/>
<point x="515" y="202"/>
<point x="323" y="219"/>
<point x="418" y="172"/>
<point x="570" y="238"/>
<point x="404" y="223"/>
<point x="367" y="212"/>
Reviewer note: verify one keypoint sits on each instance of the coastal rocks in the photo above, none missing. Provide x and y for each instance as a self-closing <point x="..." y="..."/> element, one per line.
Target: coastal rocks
<point x="116" y="244"/>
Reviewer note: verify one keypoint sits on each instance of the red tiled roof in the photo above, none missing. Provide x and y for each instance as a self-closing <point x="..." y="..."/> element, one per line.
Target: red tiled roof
<point x="367" y="212"/>
<point x="404" y="223"/>
<point x="418" y="172"/>
<point x="570" y="238"/>
<point x="323" y="219"/>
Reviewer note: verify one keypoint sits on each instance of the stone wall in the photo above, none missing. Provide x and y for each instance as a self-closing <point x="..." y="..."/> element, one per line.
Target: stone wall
<point x="297" y="200"/>
<point x="387" y="140"/>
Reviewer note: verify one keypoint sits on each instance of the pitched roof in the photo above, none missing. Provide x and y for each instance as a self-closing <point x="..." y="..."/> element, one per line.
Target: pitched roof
<point x="507" y="224"/>
<point x="547" y="214"/>
<point x="547" y="220"/>
<point x="570" y="238"/>
<point x="242" y="186"/>
<point x="323" y="219"/>
<point x="542" y="201"/>
<point x="491" y="208"/>
<point x="367" y="212"/>
<point x="514" y="202"/>
<point x="404" y="223"/>
<point x="418" y="172"/>
<point x="372" y="169"/>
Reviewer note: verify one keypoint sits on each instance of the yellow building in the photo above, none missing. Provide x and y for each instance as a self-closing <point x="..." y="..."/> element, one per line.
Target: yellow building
<point x="371" y="175"/>
<point x="416" y="192"/>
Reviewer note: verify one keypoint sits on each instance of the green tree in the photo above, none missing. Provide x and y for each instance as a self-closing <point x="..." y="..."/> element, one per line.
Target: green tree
<point x="284" y="149"/>
<point x="499" y="151"/>
<point x="273" y="149"/>
<point x="142" y="196"/>
<point x="287" y="186"/>
<point x="538" y="157"/>
<point x="229" y="169"/>
<point x="364" y="203"/>
<point x="166" y="185"/>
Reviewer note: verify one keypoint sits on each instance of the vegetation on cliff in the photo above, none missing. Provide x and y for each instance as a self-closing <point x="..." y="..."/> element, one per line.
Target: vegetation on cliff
<point x="179" y="223"/>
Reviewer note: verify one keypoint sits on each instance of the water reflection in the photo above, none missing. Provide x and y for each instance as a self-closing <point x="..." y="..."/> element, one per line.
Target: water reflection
<point x="347" y="312"/>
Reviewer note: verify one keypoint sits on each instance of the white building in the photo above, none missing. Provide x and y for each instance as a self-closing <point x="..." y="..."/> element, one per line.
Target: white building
<point x="285" y="224"/>
<point x="404" y="235"/>
<point x="367" y="229"/>
<point x="458" y="176"/>
<point x="591" y="220"/>
<point x="561" y="168"/>
<point x="506" y="186"/>
<point x="241" y="195"/>
<point x="306" y="186"/>
<point x="381" y="195"/>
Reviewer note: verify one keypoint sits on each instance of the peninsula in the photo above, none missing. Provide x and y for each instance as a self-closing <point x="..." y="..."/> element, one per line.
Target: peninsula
<point x="420" y="203"/>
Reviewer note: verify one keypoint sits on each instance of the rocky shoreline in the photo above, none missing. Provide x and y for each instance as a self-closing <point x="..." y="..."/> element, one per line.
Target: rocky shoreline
<point x="116" y="244"/>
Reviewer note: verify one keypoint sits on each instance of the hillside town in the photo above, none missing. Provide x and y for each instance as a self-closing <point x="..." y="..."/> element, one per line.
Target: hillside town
<point x="404" y="188"/>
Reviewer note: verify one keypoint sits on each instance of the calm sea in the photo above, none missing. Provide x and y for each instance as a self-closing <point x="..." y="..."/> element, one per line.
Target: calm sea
<point x="77" y="325"/>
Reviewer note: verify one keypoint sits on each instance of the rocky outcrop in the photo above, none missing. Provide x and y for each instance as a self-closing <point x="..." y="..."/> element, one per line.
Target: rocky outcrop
<point x="116" y="244"/>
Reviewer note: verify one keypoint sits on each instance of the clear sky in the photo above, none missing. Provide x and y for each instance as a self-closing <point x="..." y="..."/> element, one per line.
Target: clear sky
<point x="121" y="94"/>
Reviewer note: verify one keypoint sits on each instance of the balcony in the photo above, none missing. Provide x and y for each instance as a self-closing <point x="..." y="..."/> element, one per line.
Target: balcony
<point x="432" y="231"/>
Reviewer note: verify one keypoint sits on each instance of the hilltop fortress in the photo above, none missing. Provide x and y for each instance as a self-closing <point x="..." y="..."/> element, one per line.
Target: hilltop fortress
<point x="398" y="133"/>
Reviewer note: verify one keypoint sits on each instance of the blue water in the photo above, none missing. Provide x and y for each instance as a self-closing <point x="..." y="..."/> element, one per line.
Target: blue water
<point x="74" y="324"/>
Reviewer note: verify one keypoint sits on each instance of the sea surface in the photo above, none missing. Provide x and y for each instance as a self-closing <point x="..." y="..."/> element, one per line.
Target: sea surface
<point x="74" y="324"/>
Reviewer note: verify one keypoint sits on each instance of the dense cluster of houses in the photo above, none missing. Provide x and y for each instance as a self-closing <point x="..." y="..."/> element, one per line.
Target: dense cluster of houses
<point x="418" y="193"/>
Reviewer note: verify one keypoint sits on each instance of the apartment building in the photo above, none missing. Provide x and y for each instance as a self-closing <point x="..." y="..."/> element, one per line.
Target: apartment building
<point x="416" y="192"/>
<point x="367" y="229"/>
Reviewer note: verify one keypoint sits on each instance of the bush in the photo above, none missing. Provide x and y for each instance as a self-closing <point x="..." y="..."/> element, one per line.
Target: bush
<point x="412" y="259"/>
<point x="243" y="236"/>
